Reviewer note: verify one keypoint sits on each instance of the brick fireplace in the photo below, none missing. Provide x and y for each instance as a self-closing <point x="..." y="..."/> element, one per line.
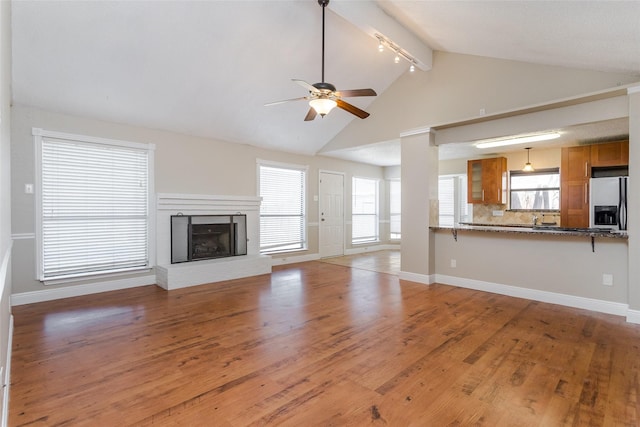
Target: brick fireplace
<point x="215" y="238"/>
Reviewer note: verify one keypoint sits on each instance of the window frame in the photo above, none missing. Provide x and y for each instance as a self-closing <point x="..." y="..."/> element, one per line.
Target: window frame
<point x="541" y="171"/>
<point x="392" y="214"/>
<point x="376" y="215"/>
<point x="39" y="135"/>
<point x="288" y="166"/>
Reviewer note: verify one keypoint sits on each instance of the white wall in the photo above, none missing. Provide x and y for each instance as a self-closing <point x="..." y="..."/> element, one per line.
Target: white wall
<point x="556" y="264"/>
<point x="5" y="209"/>
<point x="458" y="86"/>
<point x="183" y="164"/>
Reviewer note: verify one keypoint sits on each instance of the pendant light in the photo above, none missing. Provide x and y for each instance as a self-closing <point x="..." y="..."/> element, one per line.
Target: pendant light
<point x="528" y="167"/>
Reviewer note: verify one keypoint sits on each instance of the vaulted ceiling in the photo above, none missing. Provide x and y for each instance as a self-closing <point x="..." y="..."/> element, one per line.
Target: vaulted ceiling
<point x="207" y="68"/>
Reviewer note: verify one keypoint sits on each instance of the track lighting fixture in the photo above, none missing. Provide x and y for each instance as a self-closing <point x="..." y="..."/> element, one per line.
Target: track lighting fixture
<point x="399" y="52"/>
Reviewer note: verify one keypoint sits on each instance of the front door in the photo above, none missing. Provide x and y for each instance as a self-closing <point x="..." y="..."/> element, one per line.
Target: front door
<point x="331" y="214"/>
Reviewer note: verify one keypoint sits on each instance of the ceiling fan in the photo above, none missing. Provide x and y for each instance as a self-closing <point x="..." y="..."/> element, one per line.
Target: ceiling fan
<point x="323" y="96"/>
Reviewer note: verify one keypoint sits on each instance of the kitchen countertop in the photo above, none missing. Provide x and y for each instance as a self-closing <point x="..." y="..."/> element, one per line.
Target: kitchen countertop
<point x="530" y="229"/>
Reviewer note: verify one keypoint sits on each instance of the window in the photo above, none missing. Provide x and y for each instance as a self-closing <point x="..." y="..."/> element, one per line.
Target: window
<point x="93" y="205"/>
<point x="452" y="200"/>
<point x="282" y="211"/>
<point x="538" y="190"/>
<point x="394" y="209"/>
<point x="364" y="210"/>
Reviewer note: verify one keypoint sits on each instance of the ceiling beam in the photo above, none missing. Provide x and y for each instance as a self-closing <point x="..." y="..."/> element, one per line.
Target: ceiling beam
<point x="368" y="17"/>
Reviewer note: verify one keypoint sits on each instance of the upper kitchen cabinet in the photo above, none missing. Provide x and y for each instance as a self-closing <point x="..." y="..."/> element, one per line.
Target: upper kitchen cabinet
<point x="610" y="154"/>
<point x="487" y="180"/>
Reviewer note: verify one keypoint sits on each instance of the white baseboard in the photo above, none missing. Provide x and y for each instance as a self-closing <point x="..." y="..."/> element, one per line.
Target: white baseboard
<point x="370" y="248"/>
<point x="601" y="306"/>
<point x="6" y="381"/>
<point x="294" y="259"/>
<point x="633" y="316"/>
<point x="425" y="279"/>
<point x="79" y="290"/>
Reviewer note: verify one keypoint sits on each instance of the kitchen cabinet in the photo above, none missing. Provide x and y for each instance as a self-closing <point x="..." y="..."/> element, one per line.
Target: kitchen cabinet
<point x="487" y="180"/>
<point x="610" y="154"/>
<point x="575" y="171"/>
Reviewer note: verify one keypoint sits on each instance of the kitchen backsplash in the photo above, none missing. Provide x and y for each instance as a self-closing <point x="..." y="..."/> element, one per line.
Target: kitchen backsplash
<point x="484" y="214"/>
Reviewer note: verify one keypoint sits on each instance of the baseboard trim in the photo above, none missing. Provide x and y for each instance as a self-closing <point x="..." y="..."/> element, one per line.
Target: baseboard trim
<point x="425" y="279"/>
<point x="80" y="290"/>
<point x="371" y="248"/>
<point x="6" y="381"/>
<point x="600" y="306"/>
<point x="633" y="316"/>
<point x="294" y="259"/>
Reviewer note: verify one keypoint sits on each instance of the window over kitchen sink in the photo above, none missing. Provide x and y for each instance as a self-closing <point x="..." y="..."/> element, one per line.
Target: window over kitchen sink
<point x="537" y="190"/>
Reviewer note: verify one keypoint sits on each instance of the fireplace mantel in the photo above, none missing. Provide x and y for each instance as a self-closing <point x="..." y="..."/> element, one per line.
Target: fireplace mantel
<point x="172" y="276"/>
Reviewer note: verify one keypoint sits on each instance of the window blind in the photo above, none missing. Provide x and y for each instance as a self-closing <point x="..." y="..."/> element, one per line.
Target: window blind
<point x="395" y="209"/>
<point x="364" y="212"/>
<point x="93" y="208"/>
<point x="446" y="197"/>
<point x="282" y="211"/>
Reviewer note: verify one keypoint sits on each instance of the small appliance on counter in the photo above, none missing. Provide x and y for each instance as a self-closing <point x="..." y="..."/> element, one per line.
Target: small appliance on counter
<point x="608" y="202"/>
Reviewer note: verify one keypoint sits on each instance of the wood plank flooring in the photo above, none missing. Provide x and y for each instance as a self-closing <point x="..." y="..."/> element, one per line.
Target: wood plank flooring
<point x="318" y="344"/>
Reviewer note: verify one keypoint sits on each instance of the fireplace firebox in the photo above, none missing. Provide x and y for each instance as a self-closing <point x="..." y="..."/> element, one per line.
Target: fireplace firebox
<point x="200" y="237"/>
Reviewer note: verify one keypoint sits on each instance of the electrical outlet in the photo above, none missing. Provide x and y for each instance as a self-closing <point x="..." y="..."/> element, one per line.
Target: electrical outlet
<point x="483" y="111"/>
<point x="453" y="263"/>
<point x="28" y="189"/>
<point x="498" y="213"/>
<point x="607" y="279"/>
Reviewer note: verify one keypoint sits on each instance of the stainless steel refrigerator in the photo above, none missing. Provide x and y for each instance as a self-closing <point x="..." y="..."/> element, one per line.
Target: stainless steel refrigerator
<point x="608" y="202"/>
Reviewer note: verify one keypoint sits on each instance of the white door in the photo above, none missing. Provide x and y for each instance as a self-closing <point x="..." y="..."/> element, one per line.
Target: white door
<point x="331" y="214"/>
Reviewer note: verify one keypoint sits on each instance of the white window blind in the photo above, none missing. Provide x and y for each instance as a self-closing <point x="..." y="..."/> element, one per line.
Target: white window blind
<point x="447" y="201"/>
<point x="93" y="210"/>
<point x="395" y="209"/>
<point x="452" y="200"/>
<point x="282" y="211"/>
<point x="364" y="210"/>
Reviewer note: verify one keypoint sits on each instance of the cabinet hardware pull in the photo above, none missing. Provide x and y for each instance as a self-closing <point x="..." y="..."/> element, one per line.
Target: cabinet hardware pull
<point x="483" y="195"/>
<point x="585" y="193"/>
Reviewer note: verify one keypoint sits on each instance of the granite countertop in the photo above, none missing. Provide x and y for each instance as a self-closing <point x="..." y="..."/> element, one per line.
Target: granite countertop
<point x="530" y="229"/>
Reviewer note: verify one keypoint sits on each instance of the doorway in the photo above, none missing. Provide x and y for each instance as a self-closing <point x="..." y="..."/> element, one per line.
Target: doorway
<point x="331" y="214"/>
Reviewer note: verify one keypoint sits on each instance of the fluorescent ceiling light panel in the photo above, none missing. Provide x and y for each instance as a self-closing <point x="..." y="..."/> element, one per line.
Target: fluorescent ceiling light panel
<point x="517" y="140"/>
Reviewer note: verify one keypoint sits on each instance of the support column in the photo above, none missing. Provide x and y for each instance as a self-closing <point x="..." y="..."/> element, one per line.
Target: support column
<point x="633" y="314"/>
<point x="419" y="181"/>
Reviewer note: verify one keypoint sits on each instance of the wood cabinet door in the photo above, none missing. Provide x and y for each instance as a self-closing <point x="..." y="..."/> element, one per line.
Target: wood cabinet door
<point x="576" y="163"/>
<point x="575" y="170"/>
<point x="474" y="181"/>
<point x="575" y="204"/>
<point x="610" y="154"/>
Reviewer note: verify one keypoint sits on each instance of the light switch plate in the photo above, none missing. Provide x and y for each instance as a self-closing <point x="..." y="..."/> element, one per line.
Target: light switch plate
<point x="607" y="279"/>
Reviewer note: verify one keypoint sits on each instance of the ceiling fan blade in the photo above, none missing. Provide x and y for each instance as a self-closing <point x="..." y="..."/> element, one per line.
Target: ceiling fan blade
<point x="311" y="114"/>
<point x="306" y="85"/>
<point x="282" y="102"/>
<point x="356" y="92"/>
<point x="352" y="109"/>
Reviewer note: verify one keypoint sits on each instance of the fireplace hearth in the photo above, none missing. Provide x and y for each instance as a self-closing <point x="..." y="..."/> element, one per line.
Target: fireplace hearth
<point x="200" y="237"/>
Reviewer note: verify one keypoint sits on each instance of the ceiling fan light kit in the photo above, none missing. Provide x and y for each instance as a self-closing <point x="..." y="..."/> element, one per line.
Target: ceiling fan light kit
<point x="323" y="96"/>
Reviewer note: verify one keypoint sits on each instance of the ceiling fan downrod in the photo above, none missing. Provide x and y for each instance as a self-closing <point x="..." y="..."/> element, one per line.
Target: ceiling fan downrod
<point x="324" y="4"/>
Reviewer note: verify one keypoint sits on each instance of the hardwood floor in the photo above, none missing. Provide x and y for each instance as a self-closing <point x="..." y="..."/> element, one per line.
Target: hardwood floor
<point x="321" y="344"/>
<point x="387" y="261"/>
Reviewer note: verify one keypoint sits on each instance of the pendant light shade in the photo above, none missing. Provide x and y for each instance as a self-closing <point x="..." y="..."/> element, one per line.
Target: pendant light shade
<point x="528" y="167"/>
